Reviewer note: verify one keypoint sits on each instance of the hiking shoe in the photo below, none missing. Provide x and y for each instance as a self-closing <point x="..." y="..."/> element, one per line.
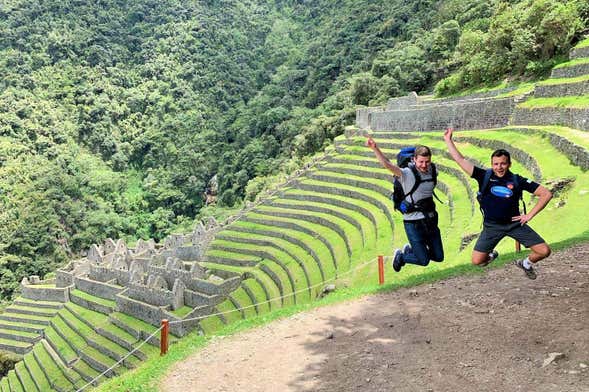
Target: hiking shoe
<point x="406" y="249"/>
<point x="492" y="257"/>
<point x="530" y="273"/>
<point x="398" y="260"/>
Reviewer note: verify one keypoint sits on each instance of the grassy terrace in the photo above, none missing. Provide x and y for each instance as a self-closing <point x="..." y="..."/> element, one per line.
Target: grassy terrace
<point x="583" y="44"/>
<point x="556" y="81"/>
<point x="572" y="63"/>
<point x="36" y="373"/>
<point x="350" y="192"/>
<point x="25" y="377"/>
<point x="579" y="102"/>
<point x="297" y="273"/>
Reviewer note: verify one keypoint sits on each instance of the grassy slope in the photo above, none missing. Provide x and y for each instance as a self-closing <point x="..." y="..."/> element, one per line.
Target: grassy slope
<point x="364" y="280"/>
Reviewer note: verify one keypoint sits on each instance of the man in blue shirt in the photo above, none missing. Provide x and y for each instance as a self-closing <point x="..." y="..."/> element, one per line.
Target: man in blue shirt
<point x="500" y="205"/>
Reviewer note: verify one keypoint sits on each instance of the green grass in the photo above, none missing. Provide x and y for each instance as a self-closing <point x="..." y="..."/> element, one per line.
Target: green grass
<point x="572" y="63"/>
<point x="583" y="44"/>
<point x="52" y="369"/>
<point x="182" y="311"/>
<point x="28" y="335"/>
<point x="276" y="256"/>
<point x="579" y="102"/>
<point x="265" y="242"/>
<point x="25" y="377"/>
<point x="15" y="385"/>
<point x="36" y="372"/>
<point x="257" y="290"/>
<point x="232" y="312"/>
<point x="60" y="345"/>
<point x="520" y="90"/>
<point x="92" y="298"/>
<point x="43" y="312"/>
<point x="244" y="303"/>
<point x="38" y="303"/>
<point x="556" y="81"/>
<point x="310" y="241"/>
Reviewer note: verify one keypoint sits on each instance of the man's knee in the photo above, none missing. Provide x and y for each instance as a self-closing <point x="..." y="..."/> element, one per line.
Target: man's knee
<point x="479" y="258"/>
<point x="438" y="258"/>
<point x="542" y="250"/>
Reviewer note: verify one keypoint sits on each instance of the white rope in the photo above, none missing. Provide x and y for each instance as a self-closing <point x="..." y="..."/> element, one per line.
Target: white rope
<point x="275" y="298"/>
<point x="121" y="360"/>
<point x="357" y="267"/>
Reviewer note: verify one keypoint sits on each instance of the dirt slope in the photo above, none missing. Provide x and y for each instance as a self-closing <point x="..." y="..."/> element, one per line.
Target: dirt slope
<point x="492" y="332"/>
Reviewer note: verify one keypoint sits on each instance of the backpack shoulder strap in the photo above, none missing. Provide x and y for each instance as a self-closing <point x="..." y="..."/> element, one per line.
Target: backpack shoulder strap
<point x="417" y="181"/>
<point x="435" y="180"/>
<point x="516" y="187"/>
<point x="485" y="184"/>
<point x="434" y="174"/>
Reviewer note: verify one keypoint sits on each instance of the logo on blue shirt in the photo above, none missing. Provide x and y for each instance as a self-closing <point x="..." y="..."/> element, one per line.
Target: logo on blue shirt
<point x="501" y="191"/>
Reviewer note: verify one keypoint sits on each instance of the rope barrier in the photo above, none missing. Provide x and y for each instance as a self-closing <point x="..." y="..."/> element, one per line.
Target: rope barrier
<point x="275" y="298"/>
<point x="168" y="323"/>
<point x="120" y="361"/>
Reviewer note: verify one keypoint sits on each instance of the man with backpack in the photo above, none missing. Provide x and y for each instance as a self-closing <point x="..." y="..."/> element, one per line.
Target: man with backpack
<point x="416" y="183"/>
<point x="499" y="193"/>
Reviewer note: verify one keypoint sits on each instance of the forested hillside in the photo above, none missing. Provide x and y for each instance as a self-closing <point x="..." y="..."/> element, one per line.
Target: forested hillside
<point x="115" y="115"/>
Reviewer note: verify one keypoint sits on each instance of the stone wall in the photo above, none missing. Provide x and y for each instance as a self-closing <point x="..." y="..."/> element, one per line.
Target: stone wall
<point x="578" y="155"/>
<point x="568" y="117"/>
<point x="155" y="296"/>
<point x="38" y="293"/>
<point x="99" y="289"/>
<point x="570" y="72"/>
<point x="475" y="114"/>
<point x="363" y="116"/>
<point x="400" y="103"/>
<point x="562" y="90"/>
<point x="580" y="53"/>
<point x="143" y="311"/>
<point x="105" y="274"/>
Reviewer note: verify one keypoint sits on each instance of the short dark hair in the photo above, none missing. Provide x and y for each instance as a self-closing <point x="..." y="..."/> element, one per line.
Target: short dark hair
<point x="501" y="153"/>
<point x="422" y="151"/>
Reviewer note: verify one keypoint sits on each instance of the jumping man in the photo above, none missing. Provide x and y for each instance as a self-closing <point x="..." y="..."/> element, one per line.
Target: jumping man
<point x="420" y="218"/>
<point x="500" y="205"/>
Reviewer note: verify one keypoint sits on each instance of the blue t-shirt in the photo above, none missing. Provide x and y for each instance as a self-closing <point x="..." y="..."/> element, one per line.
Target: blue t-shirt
<point x="500" y="201"/>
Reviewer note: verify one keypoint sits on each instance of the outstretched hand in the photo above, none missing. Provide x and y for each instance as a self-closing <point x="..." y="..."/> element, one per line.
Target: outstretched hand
<point x="448" y="134"/>
<point x="370" y="142"/>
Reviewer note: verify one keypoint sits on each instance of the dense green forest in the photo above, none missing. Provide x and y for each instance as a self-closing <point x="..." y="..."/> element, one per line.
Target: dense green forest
<point x="115" y="115"/>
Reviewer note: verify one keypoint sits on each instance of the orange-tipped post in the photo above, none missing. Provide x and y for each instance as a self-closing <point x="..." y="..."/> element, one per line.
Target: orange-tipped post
<point x="164" y="337"/>
<point x="380" y="270"/>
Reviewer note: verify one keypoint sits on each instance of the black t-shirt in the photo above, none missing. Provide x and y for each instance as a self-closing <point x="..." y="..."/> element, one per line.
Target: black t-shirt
<point x="500" y="201"/>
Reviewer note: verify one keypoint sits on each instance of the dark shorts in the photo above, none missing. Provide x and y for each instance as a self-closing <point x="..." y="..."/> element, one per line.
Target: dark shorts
<point x="494" y="232"/>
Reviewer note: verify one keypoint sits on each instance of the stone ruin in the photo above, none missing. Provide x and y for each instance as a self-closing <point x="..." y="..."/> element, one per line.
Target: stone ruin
<point x="150" y="281"/>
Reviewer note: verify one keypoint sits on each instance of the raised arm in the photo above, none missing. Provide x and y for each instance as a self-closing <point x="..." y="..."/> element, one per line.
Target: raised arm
<point x="464" y="164"/>
<point x="384" y="161"/>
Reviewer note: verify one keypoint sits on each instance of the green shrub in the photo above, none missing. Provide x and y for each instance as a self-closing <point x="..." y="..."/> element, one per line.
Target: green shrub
<point x="7" y="362"/>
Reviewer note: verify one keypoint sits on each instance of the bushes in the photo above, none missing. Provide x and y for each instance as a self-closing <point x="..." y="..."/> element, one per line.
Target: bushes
<point x="521" y="41"/>
<point x="7" y="362"/>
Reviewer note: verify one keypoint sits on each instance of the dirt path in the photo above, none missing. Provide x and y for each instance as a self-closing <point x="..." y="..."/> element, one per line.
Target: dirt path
<point x="492" y="332"/>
